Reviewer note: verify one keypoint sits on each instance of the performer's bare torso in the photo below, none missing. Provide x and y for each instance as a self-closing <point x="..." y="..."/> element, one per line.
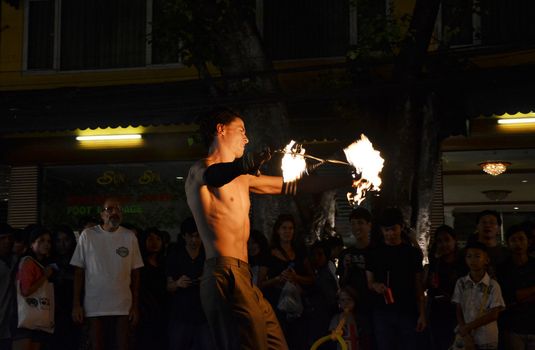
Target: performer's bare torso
<point x="221" y="214"/>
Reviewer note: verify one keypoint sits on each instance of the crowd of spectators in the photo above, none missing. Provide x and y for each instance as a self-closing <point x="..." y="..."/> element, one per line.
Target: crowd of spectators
<point x="376" y="294"/>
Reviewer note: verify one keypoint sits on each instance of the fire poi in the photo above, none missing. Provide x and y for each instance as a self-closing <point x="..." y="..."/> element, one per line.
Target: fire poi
<point x="366" y="161"/>
<point x="294" y="164"/>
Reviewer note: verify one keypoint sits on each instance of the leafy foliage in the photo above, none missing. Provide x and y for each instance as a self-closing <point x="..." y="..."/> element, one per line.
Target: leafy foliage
<point x="379" y="30"/>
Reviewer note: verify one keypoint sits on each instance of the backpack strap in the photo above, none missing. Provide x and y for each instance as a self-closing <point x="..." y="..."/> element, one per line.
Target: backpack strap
<point x="28" y="257"/>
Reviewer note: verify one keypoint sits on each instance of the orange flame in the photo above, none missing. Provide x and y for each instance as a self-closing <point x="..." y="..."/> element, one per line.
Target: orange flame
<point x="293" y="162"/>
<point x="367" y="162"/>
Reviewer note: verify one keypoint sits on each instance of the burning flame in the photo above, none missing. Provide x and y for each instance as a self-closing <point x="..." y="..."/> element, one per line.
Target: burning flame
<point x="367" y="162"/>
<point x="293" y="162"/>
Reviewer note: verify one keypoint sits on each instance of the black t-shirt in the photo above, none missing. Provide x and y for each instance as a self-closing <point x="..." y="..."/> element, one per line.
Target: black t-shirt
<point x="276" y="266"/>
<point x="355" y="276"/>
<point x="443" y="275"/>
<point x="152" y="293"/>
<point x="63" y="289"/>
<point x="358" y="262"/>
<point x="185" y="303"/>
<point x="440" y="285"/>
<point x="519" y="318"/>
<point x="396" y="267"/>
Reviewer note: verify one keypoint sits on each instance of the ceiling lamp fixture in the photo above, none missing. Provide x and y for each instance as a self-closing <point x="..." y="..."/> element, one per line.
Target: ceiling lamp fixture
<point x="496" y="195"/>
<point x="494" y="168"/>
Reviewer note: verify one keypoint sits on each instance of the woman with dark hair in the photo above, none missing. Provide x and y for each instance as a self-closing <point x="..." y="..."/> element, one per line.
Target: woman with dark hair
<point x="66" y="333"/>
<point x="445" y="268"/>
<point x="152" y="327"/>
<point x="288" y="263"/>
<point x="34" y="271"/>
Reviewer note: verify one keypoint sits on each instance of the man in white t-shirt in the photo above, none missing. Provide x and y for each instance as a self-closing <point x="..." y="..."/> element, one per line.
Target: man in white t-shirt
<point x="107" y="261"/>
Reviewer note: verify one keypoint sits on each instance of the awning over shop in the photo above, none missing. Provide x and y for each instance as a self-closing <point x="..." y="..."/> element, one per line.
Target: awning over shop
<point x="110" y="106"/>
<point x="495" y="92"/>
<point x="313" y="114"/>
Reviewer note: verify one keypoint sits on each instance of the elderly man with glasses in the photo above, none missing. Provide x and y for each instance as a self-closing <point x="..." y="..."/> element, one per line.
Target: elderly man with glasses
<point x="107" y="261"/>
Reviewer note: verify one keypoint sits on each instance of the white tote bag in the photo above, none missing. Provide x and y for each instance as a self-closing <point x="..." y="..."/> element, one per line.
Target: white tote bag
<point x="36" y="311"/>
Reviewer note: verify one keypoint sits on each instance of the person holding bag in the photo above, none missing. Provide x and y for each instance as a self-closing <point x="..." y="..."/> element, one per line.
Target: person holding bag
<point x="289" y="273"/>
<point x="35" y="294"/>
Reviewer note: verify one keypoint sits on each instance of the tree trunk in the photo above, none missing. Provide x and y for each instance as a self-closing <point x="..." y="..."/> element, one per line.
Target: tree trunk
<point x="323" y="222"/>
<point x="416" y="43"/>
<point x="400" y="157"/>
<point x="425" y="178"/>
<point x="414" y="149"/>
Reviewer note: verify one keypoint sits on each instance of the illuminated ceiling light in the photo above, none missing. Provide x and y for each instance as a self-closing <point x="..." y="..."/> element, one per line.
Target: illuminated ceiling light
<point x="496" y="195"/>
<point x="494" y="168"/>
<point x="524" y="181"/>
<point x="108" y="137"/>
<point x="516" y="208"/>
<point x="516" y="121"/>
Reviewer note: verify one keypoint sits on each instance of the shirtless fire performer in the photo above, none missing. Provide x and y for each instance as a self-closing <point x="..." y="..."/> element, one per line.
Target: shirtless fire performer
<point x="217" y="190"/>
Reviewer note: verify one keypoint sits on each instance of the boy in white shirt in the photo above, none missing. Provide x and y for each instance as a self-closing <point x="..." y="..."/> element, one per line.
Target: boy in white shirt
<point x="479" y="300"/>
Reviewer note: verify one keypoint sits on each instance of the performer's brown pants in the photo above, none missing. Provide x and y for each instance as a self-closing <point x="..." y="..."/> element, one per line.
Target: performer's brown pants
<point x="239" y="315"/>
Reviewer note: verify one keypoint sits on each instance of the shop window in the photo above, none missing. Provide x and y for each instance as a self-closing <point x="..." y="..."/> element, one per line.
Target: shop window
<point x="152" y="194"/>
